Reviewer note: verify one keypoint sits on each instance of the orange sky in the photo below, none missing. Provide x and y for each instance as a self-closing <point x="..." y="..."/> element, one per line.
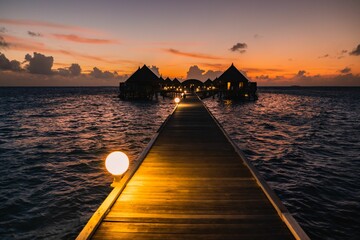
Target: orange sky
<point x="265" y="40"/>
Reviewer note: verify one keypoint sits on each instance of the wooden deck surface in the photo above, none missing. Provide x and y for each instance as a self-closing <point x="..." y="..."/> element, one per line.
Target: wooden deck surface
<point x="192" y="185"/>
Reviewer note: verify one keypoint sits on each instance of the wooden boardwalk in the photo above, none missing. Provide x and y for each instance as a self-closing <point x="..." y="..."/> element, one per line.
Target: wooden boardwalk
<point x="193" y="184"/>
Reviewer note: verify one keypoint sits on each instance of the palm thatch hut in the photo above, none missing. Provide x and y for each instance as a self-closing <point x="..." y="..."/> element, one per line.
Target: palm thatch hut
<point x="233" y="84"/>
<point x="143" y="84"/>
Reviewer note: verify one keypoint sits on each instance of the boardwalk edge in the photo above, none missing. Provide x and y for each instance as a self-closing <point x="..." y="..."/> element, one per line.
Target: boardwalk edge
<point x="95" y="220"/>
<point x="282" y="211"/>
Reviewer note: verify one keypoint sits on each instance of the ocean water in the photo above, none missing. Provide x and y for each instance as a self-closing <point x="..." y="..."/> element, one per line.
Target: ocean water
<point x="53" y="142"/>
<point x="306" y="144"/>
<point x="304" y="141"/>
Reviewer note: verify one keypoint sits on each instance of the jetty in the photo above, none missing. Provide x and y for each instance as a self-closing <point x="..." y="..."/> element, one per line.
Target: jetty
<point x="192" y="182"/>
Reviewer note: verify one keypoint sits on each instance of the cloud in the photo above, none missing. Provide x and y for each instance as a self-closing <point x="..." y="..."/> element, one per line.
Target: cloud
<point x="10" y="78"/>
<point x="345" y="70"/>
<point x="97" y="73"/>
<point x="261" y="70"/>
<point x="192" y="55"/>
<point x="324" y="56"/>
<point x="239" y="47"/>
<point x="63" y="71"/>
<point x="75" y="69"/>
<point x="257" y="36"/>
<point x="211" y="74"/>
<point x="30" y="45"/>
<point x="301" y="73"/>
<point x="3" y="43"/>
<point x="155" y="70"/>
<point x="79" y="39"/>
<point x="196" y="73"/>
<point x="356" y="51"/>
<point x="316" y="80"/>
<point x="43" y="24"/>
<point x="34" y="34"/>
<point x="3" y="30"/>
<point x="39" y="64"/>
<point x="6" y="64"/>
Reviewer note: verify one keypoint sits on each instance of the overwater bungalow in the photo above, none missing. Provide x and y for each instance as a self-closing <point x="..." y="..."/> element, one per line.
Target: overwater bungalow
<point x="192" y="85"/>
<point x="143" y="84"/>
<point x="232" y="84"/>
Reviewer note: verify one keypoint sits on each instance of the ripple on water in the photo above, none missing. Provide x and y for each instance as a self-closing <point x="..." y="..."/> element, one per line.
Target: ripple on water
<point x="53" y="142"/>
<point x="306" y="144"/>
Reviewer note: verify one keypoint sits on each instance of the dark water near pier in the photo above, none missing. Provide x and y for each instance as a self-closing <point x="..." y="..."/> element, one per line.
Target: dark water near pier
<point x="304" y="141"/>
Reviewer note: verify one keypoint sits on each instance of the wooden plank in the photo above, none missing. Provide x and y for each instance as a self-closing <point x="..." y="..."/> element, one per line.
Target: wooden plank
<point x="193" y="184"/>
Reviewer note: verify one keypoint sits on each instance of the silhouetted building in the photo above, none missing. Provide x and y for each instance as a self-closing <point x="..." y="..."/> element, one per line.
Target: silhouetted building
<point x="192" y="85"/>
<point x="176" y="82"/>
<point x="232" y="84"/>
<point x="143" y="84"/>
<point x="208" y="83"/>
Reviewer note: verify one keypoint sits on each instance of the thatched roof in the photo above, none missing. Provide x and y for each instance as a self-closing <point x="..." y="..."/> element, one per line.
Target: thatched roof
<point x="176" y="82"/>
<point x="208" y="82"/>
<point x="144" y="76"/>
<point x="232" y="74"/>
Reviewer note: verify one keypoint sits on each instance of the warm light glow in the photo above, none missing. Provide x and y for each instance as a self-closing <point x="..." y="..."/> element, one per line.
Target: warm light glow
<point x="177" y="100"/>
<point x="117" y="163"/>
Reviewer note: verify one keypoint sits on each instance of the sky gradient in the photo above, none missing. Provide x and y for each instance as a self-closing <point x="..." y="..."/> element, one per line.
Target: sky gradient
<point x="273" y="42"/>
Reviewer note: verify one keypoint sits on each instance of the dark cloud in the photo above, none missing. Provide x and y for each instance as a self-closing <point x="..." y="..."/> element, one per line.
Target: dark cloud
<point x="15" y="65"/>
<point x="63" y="71"/>
<point x="263" y="77"/>
<point x="155" y="70"/>
<point x="239" y="47"/>
<point x="97" y="73"/>
<point x="345" y="70"/>
<point x="195" y="72"/>
<point x="75" y="69"/>
<point x="344" y="51"/>
<point x="6" y="64"/>
<point x="3" y="43"/>
<point x="3" y="30"/>
<point x="34" y="34"/>
<point x="356" y="51"/>
<point x="211" y="74"/>
<point x="39" y="64"/>
<point x="324" y="56"/>
<point x="257" y="36"/>
<point x="301" y="73"/>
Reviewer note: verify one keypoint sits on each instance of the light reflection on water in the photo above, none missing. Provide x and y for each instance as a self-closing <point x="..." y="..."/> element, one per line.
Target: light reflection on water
<point x="306" y="144"/>
<point x="52" y="145"/>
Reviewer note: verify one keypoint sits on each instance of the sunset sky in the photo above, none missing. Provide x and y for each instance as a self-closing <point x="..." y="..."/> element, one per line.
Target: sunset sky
<point x="281" y="42"/>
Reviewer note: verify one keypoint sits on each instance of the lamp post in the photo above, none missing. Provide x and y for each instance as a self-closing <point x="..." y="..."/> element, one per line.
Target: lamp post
<point x="117" y="163"/>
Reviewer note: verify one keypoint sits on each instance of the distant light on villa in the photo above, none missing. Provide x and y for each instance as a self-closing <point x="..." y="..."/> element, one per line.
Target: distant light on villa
<point x="177" y="100"/>
<point x="117" y="163"/>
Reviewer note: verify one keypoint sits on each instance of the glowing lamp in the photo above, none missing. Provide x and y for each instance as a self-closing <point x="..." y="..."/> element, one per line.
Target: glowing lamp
<point x="177" y="100"/>
<point x="117" y="163"/>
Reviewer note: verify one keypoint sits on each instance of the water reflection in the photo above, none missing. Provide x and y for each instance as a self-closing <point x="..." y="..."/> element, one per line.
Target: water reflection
<point x="306" y="144"/>
<point x="53" y="143"/>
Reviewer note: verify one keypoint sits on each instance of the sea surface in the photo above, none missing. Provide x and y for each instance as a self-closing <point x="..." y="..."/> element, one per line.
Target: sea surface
<point x="304" y="141"/>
